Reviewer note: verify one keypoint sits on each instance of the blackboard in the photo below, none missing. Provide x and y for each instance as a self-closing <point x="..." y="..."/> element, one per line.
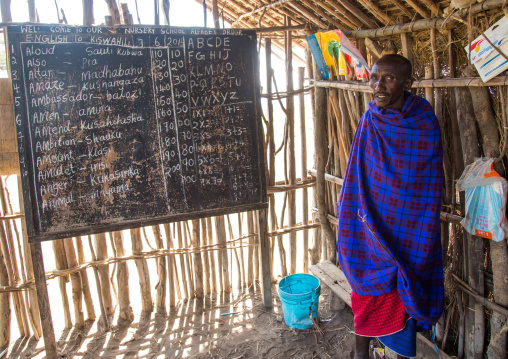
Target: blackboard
<point x="130" y="126"/>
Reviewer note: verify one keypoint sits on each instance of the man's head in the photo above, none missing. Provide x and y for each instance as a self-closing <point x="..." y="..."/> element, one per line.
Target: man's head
<point x="389" y="78"/>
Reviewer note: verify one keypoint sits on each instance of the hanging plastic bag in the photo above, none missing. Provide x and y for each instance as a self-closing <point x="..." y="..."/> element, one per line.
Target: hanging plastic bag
<point x="486" y="193"/>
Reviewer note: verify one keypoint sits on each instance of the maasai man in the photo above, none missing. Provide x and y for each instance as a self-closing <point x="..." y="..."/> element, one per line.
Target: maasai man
<point x="388" y="233"/>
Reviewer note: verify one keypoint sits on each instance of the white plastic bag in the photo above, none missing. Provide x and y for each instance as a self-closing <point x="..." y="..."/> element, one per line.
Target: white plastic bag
<point x="485" y="203"/>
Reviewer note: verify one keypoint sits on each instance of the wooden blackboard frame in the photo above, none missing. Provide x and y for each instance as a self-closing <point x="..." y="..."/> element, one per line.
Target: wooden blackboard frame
<point x="25" y="152"/>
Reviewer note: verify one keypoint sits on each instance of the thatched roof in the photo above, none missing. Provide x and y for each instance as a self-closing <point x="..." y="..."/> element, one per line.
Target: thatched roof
<point x="327" y="14"/>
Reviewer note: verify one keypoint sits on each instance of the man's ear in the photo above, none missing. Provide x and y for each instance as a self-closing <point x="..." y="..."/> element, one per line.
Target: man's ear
<point x="407" y="84"/>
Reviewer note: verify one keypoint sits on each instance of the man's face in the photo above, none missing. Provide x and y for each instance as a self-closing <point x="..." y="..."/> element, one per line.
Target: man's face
<point x="388" y="83"/>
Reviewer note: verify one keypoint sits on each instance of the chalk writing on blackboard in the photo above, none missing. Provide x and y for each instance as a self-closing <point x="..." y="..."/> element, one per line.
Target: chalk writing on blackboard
<point x="128" y="126"/>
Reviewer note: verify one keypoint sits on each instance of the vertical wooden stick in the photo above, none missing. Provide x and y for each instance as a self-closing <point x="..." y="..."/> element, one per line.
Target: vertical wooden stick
<point x="188" y="260"/>
<point x="182" y="260"/>
<point x="429" y="91"/>
<point x="213" y="275"/>
<point x="32" y="293"/>
<point x="473" y="245"/>
<point x="143" y="273"/>
<point x="215" y="13"/>
<point x="99" y="286"/>
<point x="88" y="12"/>
<point x="206" y="261"/>
<point x="220" y="228"/>
<point x="242" y="259"/>
<point x="77" y="290"/>
<point x="101" y="249"/>
<point x="171" y="268"/>
<point x="250" y="255"/>
<point x="87" y="295"/>
<point x="291" y="145"/>
<point x="234" y="252"/>
<point x="5" y="304"/>
<point x="122" y="279"/>
<point x="42" y="296"/>
<point x="271" y="146"/>
<point x="7" y="243"/>
<point x="303" y="171"/>
<point x="257" y="264"/>
<point x="61" y="263"/>
<point x="198" y="265"/>
<point x="160" y="299"/>
<point x="266" y="283"/>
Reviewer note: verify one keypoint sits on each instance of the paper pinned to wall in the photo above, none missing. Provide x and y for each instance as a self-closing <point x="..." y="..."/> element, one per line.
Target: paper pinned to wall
<point x="324" y="44"/>
<point x="487" y="60"/>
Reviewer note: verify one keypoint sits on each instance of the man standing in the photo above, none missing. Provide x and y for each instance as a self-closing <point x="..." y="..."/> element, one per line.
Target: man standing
<point x="388" y="233"/>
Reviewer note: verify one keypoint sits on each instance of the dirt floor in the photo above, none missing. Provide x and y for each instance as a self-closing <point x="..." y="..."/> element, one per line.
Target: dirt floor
<point x="201" y="329"/>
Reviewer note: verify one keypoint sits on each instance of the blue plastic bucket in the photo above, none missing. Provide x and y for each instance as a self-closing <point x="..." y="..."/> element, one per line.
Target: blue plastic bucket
<point x="299" y="294"/>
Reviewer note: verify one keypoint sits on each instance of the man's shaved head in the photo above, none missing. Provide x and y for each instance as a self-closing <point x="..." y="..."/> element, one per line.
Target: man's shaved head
<point x="406" y="69"/>
<point x="389" y="78"/>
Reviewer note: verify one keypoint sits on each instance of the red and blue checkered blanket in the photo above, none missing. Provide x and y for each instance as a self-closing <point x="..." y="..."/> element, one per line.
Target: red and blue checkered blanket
<point x="388" y="209"/>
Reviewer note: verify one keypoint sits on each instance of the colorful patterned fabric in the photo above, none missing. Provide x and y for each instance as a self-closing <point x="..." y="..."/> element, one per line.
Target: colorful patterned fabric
<point x="379" y="315"/>
<point x="402" y="342"/>
<point x="388" y="209"/>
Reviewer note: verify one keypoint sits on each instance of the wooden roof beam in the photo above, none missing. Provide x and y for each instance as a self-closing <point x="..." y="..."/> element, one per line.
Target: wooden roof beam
<point x="434" y="8"/>
<point x="358" y="13"/>
<point x="376" y="11"/>
<point x="343" y="11"/>
<point x="331" y="20"/>
<point x="403" y="8"/>
<point x="352" y="22"/>
<point x="309" y="14"/>
<point x="418" y="8"/>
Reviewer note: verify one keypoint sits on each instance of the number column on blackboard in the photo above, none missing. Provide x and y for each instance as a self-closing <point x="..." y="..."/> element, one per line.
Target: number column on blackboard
<point x="168" y="146"/>
<point x="181" y="104"/>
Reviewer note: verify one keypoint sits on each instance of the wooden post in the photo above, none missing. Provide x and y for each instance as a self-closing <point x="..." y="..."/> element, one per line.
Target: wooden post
<point x="252" y="242"/>
<point x="87" y="295"/>
<point x="143" y="273"/>
<point x="77" y="290"/>
<point x="88" y="19"/>
<point x="32" y="14"/>
<point x="101" y="250"/>
<point x="113" y="12"/>
<point x="182" y="260"/>
<point x="198" y="265"/>
<point x="61" y="263"/>
<point x="5" y="304"/>
<point x="215" y="13"/>
<point x="475" y="317"/>
<point x="206" y="260"/>
<point x="188" y="261"/>
<point x="5" y="8"/>
<point x="242" y="259"/>
<point x="160" y="299"/>
<point x="171" y="267"/>
<point x="122" y="278"/>
<point x="264" y="254"/>
<point x="318" y="103"/>
<point x="321" y="155"/>
<point x="48" y="332"/>
<point x="32" y="293"/>
<point x="98" y="286"/>
<point x="271" y="150"/>
<point x="303" y="170"/>
<point x="220" y="228"/>
<point x="406" y="41"/>
<point x="213" y="273"/>
<point x="429" y="91"/>
<point x="291" y="146"/>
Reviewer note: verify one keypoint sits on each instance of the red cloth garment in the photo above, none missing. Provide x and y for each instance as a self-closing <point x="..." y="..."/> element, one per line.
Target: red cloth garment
<point x="378" y="315"/>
